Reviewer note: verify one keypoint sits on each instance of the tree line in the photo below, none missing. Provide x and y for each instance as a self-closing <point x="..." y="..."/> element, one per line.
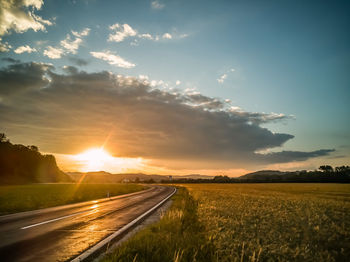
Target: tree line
<point x="21" y="164"/>
<point x="325" y="174"/>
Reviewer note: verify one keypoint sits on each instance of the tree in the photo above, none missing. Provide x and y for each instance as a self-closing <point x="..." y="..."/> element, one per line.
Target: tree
<point x="326" y="168"/>
<point x="34" y="148"/>
<point x="340" y="169"/>
<point x="3" y="138"/>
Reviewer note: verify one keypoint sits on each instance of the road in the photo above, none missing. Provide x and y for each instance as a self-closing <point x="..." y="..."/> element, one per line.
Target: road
<point x="62" y="233"/>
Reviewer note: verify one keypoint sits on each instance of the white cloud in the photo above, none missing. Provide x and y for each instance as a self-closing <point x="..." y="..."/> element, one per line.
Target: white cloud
<point x="167" y="36"/>
<point x="71" y="45"/>
<point x="68" y="45"/>
<point x="19" y="16"/>
<point x="4" y="46"/>
<point x="113" y="59"/>
<point x="146" y="36"/>
<point x="157" y="5"/>
<point x="53" y="53"/>
<point x="121" y="32"/>
<point x="23" y="49"/>
<point x="178" y="82"/>
<point x="155" y="83"/>
<point x="222" y="78"/>
<point x="134" y="43"/>
<point x="85" y="32"/>
<point x="143" y="77"/>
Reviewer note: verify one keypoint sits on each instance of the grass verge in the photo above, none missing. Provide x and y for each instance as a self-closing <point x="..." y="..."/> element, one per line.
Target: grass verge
<point x="178" y="236"/>
<point x="29" y="197"/>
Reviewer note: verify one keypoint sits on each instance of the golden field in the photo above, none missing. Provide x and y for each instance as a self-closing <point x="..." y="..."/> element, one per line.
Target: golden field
<point x="276" y="222"/>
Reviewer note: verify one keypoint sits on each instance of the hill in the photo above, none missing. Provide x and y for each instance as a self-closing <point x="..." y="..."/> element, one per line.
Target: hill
<point x="21" y="164"/>
<point x="105" y="177"/>
<point x="263" y="174"/>
<point x="102" y="177"/>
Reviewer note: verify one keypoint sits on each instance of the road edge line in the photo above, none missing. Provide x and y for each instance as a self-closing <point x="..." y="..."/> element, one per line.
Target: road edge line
<point x="120" y="231"/>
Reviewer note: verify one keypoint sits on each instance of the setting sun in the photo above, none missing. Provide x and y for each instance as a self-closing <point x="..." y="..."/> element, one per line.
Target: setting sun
<point x="97" y="159"/>
<point x="94" y="159"/>
<point x="94" y="154"/>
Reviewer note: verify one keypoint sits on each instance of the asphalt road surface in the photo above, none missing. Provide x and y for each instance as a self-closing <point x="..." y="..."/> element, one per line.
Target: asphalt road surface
<point x="62" y="233"/>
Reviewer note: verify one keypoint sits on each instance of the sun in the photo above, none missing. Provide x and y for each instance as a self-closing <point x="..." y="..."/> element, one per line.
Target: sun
<point x="94" y="159"/>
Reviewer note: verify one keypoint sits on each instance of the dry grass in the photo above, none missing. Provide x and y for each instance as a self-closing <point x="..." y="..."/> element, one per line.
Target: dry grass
<point x="276" y="222"/>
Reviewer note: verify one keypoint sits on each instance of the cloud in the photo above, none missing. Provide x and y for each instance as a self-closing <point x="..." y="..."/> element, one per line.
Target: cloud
<point x="19" y="16"/>
<point x="53" y="52"/>
<point x="23" y="49"/>
<point x="78" y="110"/>
<point x="78" y="61"/>
<point x="224" y="76"/>
<point x="69" y="45"/>
<point x="19" y="77"/>
<point x="178" y="82"/>
<point x="146" y="36"/>
<point x="4" y="46"/>
<point x="113" y="59"/>
<point x="291" y="156"/>
<point x="85" y="32"/>
<point x="11" y="60"/>
<point x="157" y="5"/>
<point x="167" y="36"/>
<point x="120" y="32"/>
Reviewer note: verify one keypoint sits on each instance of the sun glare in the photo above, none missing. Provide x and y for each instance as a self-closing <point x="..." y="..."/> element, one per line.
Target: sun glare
<point x="94" y="159"/>
<point x="97" y="159"/>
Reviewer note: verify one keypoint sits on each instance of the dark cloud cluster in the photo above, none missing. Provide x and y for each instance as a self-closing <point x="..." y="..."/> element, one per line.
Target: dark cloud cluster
<point x="78" y="61"/>
<point x="66" y="113"/>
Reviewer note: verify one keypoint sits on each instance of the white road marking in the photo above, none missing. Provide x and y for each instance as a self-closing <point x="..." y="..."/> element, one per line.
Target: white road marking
<point x="52" y="220"/>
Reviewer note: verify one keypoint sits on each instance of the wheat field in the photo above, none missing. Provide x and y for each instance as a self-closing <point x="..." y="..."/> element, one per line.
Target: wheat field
<point x="276" y="222"/>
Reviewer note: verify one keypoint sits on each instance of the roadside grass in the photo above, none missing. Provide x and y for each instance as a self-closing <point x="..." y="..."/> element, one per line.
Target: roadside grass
<point x="29" y="197"/>
<point x="178" y="236"/>
<point x="276" y="222"/>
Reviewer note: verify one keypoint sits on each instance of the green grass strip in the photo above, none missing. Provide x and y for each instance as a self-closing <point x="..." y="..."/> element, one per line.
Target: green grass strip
<point x="29" y="197"/>
<point x="178" y="236"/>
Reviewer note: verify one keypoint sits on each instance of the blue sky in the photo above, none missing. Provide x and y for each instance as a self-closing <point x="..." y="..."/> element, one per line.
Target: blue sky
<point x="280" y="57"/>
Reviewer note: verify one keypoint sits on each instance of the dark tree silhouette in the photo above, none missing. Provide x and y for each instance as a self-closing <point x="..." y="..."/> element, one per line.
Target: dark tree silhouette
<point x="21" y="164"/>
<point x="3" y="138"/>
<point x="326" y="168"/>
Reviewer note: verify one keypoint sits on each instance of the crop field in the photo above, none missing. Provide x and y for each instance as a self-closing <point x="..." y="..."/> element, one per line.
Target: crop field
<point x="247" y="222"/>
<point x="29" y="197"/>
<point x="276" y="222"/>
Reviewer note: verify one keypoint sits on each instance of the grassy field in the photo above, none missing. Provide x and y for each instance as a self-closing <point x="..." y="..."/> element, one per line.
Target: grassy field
<point x="276" y="222"/>
<point x="29" y="197"/>
<point x="248" y="222"/>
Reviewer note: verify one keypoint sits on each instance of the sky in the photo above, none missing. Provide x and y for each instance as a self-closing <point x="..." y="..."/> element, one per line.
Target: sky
<point x="178" y="87"/>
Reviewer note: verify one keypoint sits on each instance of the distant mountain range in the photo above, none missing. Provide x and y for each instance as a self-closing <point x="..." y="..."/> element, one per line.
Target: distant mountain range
<point x="105" y="177"/>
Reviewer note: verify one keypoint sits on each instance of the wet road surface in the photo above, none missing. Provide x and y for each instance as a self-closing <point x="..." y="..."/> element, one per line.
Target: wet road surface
<point x="62" y="233"/>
